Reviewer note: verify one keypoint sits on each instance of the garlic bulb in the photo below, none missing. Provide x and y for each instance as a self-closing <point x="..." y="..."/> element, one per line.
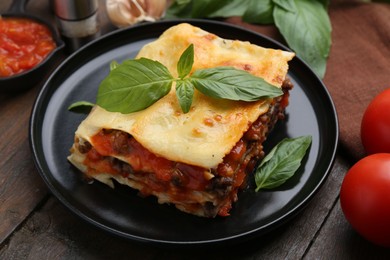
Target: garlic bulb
<point x="128" y="12"/>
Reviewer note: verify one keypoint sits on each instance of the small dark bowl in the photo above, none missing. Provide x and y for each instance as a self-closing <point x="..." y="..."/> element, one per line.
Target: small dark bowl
<point x="30" y="78"/>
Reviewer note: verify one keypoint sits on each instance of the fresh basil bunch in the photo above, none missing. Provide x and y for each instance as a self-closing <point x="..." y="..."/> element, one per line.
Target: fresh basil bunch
<point x="304" y="24"/>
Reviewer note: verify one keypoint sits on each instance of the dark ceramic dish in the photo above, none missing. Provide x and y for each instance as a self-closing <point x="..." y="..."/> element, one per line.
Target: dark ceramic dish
<point x="120" y="211"/>
<point x="27" y="79"/>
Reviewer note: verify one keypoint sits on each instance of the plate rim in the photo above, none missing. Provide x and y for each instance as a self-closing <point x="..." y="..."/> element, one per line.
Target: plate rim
<point x="47" y="89"/>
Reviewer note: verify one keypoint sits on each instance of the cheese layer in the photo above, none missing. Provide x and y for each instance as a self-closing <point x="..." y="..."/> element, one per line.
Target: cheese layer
<point x="212" y="127"/>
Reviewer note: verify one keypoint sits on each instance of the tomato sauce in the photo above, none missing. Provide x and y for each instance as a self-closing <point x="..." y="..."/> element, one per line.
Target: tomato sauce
<point x="24" y="43"/>
<point x="162" y="172"/>
<point x="142" y="160"/>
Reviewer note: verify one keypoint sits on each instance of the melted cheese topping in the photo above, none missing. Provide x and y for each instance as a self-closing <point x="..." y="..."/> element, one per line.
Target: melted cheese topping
<point x="212" y="127"/>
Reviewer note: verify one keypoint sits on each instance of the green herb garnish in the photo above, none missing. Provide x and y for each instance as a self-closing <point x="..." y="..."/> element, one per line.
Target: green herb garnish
<point x="233" y="84"/>
<point x="307" y="29"/>
<point x="81" y="107"/>
<point x="136" y="84"/>
<point x="281" y="162"/>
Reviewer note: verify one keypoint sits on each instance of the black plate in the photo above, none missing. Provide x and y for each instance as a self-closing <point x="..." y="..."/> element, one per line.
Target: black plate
<point x="121" y="211"/>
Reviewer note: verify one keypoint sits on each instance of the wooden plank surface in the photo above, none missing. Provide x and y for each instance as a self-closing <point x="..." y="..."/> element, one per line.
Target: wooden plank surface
<point x="340" y="241"/>
<point x="21" y="187"/>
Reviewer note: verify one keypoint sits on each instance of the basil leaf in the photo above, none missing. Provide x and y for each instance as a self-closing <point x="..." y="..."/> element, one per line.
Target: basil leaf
<point x="186" y="61"/>
<point x="182" y="2"/>
<point x="81" y="107"/>
<point x="179" y="9"/>
<point x="185" y="93"/>
<point x="113" y="65"/>
<point x="204" y="8"/>
<point x="259" y="12"/>
<point x="231" y="8"/>
<point x="134" y="85"/>
<point x="282" y="162"/>
<point x="325" y="3"/>
<point x="233" y="84"/>
<point x="307" y="31"/>
<point x="287" y="5"/>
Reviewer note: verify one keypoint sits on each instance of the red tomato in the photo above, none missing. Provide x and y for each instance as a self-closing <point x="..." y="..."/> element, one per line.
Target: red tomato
<point x="375" y="127"/>
<point x="365" y="198"/>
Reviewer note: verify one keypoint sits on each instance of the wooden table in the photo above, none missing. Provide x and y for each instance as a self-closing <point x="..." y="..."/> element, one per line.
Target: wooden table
<point x="35" y="225"/>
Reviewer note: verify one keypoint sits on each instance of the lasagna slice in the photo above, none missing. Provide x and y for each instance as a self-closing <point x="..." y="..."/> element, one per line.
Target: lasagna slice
<point x="198" y="160"/>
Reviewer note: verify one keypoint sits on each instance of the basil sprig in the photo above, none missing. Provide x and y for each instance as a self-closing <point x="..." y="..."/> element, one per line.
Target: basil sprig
<point x="304" y="24"/>
<point x="83" y="107"/>
<point x="136" y="84"/>
<point x="281" y="162"/>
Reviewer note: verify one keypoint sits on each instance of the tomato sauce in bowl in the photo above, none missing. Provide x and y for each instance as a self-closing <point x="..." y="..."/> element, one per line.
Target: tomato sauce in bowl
<point x="24" y="43"/>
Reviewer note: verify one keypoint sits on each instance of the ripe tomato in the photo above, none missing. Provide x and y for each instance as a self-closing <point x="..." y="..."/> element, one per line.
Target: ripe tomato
<point x="375" y="127"/>
<point x="365" y="198"/>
